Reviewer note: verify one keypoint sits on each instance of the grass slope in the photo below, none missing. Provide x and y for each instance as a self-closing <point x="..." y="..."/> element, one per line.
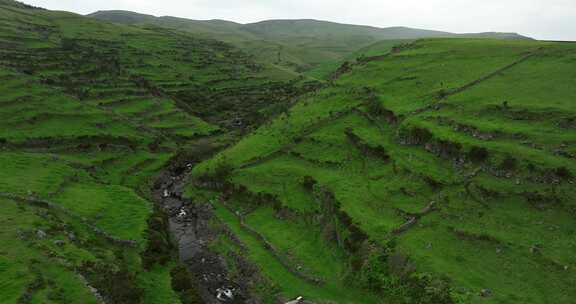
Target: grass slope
<point x="90" y="112"/>
<point x="326" y="69"/>
<point x="442" y="171"/>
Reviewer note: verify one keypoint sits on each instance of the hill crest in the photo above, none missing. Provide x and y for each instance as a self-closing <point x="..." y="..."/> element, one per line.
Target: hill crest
<point x="116" y="16"/>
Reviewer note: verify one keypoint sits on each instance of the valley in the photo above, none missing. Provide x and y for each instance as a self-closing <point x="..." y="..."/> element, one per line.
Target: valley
<point x="164" y="160"/>
<point x="301" y="46"/>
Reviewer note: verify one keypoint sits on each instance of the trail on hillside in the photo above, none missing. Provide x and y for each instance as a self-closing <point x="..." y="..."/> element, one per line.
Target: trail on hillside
<point x="493" y="74"/>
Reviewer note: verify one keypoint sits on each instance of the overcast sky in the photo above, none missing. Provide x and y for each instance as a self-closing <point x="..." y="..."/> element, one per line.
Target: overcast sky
<point x="541" y="19"/>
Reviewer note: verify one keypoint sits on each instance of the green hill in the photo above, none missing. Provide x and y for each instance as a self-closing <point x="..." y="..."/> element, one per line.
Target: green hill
<point x="222" y="28"/>
<point x="431" y="171"/>
<point x="90" y="113"/>
<point x="441" y="172"/>
<point x="298" y="45"/>
<point x="329" y="69"/>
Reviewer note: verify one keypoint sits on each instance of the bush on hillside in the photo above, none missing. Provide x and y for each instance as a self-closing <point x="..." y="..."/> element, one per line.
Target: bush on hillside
<point x="68" y="44"/>
<point x="182" y="284"/>
<point x="223" y="170"/>
<point x="399" y="283"/>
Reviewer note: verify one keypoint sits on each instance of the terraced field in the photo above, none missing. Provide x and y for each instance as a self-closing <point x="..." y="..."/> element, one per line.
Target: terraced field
<point x="421" y="171"/>
<point x="90" y="113"/>
<point x="439" y="172"/>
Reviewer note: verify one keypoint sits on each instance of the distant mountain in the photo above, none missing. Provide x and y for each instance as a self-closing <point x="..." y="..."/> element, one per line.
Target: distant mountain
<point x="126" y="17"/>
<point x="299" y="45"/>
<point x="226" y="30"/>
<point x="274" y="29"/>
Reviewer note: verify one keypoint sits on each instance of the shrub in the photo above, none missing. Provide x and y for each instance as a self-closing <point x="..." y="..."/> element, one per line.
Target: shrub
<point x="223" y="170"/>
<point x="308" y="182"/>
<point x="159" y="248"/>
<point x="118" y="284"/>
<point x="182" y="284"/>
<point x="442" y="93"/>
<point x="478" y="154"/>
<point x="563" y="172"/>
<point x="375" y="274"/>
<point x="374" y="105"/>
<point x="508" y="163"/>
<point x="68" y="44"/>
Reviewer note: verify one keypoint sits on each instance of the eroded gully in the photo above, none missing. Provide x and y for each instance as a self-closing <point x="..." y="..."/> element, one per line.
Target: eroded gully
<point x="189" y="226"/>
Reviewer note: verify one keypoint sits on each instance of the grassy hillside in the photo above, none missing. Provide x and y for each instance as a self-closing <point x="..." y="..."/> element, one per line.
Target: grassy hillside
<point x="425" y="171"/>
<point x="441" y="172"/>
<point x="329" y="69"/>
<point x="226" y="29"/>
<point x="295" y="45"/>
<point x="90" y="112"/>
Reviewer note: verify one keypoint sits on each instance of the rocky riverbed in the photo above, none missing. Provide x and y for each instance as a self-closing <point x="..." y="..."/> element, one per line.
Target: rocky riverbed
<point x="190" y="231"/>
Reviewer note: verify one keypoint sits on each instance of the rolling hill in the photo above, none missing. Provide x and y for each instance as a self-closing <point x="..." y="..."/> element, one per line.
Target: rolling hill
<point x="299" y="45"/>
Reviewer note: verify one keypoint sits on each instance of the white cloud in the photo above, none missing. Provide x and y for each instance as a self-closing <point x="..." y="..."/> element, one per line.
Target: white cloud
<point x="543" y="19"/>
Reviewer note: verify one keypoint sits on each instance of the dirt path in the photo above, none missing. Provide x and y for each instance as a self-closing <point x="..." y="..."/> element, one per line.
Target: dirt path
<point x="493" y="74"/>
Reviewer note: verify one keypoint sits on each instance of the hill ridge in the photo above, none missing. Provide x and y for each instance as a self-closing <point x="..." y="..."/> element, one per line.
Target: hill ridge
<point x="295" y="20"/>
<point x="298" y="45"/>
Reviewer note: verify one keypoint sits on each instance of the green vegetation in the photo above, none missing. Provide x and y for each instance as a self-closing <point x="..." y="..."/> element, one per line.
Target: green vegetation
<point x="420" y="171"/>
<point x="90" y="113"/>
<point x="331" y="68"/>
<point x="438" y="171"/>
